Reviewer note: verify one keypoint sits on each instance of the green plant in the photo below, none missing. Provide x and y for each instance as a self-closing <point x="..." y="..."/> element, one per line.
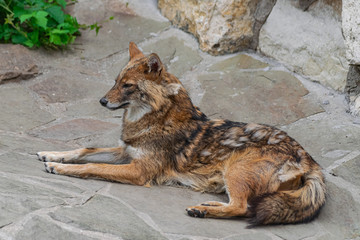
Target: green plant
<point x="36" y="23"/>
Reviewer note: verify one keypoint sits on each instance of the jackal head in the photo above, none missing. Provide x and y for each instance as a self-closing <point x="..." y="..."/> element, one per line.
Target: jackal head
<point x="142" y="86"/>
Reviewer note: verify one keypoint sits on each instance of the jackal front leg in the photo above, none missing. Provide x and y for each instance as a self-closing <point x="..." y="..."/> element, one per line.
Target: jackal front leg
<point x="127" y="173"/>
<point x="86" y="155"/>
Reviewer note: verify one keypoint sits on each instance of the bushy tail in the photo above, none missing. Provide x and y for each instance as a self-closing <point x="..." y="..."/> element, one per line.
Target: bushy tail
<point x="293" y="206"/>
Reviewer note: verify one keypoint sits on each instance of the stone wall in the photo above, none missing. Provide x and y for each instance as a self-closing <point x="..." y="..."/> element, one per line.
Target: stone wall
<point x="318" y="39"/>
<point x="351" y="32"/>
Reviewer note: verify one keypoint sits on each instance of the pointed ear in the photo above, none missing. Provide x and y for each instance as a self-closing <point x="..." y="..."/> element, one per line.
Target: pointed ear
<point x="173" y="88"/>
<point x="134" y="51"/>
<point x="154" y="62"/>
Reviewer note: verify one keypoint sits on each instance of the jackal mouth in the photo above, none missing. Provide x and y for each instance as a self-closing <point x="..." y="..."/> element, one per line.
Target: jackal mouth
<point x="124" y="105"/>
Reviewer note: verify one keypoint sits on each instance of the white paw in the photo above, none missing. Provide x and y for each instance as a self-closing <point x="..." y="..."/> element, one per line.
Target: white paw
<point x="50" y="168"/>
<point x="50" y="156"/>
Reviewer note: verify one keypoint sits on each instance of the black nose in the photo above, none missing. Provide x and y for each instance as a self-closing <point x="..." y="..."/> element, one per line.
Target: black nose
<point x="103" y="101"/>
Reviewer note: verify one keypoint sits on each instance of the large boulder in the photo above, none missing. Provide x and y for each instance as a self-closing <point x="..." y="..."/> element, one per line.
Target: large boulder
<point x="222" y="26"/>
<point x="351" y="30"/>
<point x="308" y="42"/>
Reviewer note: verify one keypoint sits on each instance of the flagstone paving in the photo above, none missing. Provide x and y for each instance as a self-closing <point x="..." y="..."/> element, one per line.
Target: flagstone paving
<point x="57" y="108"/>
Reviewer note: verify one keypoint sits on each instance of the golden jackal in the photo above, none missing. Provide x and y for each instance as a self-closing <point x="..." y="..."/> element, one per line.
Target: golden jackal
<point x="267" y="175"/>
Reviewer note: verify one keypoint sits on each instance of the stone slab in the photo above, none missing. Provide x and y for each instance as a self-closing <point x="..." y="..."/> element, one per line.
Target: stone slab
<point x="272" y="97"/>
<point x="16" y="62"/>
<point x="90" y="108"/>
<point x="40" y="228"/>
<point x="166" y="207"/>
<point x="116" y="219"/>
<point x="58" y="87"/>
<point x="350" y="171"/>
<point x="20" y="110"/>
<point x="28" y="145"/>
<point x="18" y="198"/>
<point x="340" y="216"/>
<point x="326" y="139"/>
<point x="240" y="61"/>
<point x="73" y="129"/>
<point x="174" y="54"/>
<point x="115" y="35"/>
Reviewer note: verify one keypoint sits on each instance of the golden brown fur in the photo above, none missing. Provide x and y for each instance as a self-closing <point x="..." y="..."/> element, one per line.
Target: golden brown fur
<point x="267" y="175"/>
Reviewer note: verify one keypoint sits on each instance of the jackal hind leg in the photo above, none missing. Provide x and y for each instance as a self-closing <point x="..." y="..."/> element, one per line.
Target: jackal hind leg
<point x="85" y="155"/>
<point x="238" y="192"/>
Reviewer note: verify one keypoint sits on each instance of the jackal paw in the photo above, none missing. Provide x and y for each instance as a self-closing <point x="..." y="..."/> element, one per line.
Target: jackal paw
<point x="50" y="167"/>
<point x="194" y="212"/>
<point x="50" y="156"/>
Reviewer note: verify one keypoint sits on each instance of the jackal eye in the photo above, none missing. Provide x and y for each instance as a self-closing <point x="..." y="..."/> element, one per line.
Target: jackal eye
<point x="128" y="85"/>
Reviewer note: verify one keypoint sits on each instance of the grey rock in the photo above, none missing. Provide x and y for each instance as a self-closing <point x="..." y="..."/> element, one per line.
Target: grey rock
<point x="119" y="220"/>
<point x="174" y="54"/>
<point x="323" y="136"/>
<point x="166" y="207"/>
<point x="61" y="87"/>
<point x="18" y="199"/>
<point x="305" y="4"/>
<point x="77" y="128"/>
<point x="115" y="35"/>
<point x="351" y="30"/>
<point x="350" y="171"/>
<point x="25" y="144"/>
<point x="22" y="110"/>
<point x="271" y="97"/>
<point x="237" y="62"/>
<point x="340" y="215"/>
<point x="352" y="87"/>
<point x="249" y="236"/>
<point x="320" y="55"/>
<point x="16" y="62"/>
<point x="40" y="228"/>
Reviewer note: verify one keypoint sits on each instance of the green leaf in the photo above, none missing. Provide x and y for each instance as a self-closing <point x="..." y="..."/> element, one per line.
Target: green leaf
<point x="19" y="11"/>
<point x="25" y="17"/>
<point x="34" y="36"/>
<point x="41" y="20"/>
<point x="61" y="3"/>
<point x="28" y="43"/>
<point x="18" y="39"/>
<point x="55" y="39"/>
<point x="56" y="13"/>
<point x="59" y="31"/>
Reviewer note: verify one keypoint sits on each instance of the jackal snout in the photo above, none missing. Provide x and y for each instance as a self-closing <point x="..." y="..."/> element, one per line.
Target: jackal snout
<point x="103" y="101"/>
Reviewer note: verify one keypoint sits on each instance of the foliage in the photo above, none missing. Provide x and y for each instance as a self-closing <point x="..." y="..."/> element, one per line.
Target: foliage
<point x="36" y="23"/>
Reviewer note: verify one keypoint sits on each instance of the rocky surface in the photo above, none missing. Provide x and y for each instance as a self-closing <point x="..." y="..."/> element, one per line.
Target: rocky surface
<point x="321" y="53"/>
<point x="16" y="63"/>
<point x="351" y="30"/>
<point x="59" y="110"/>
<point x="223" y="26"/>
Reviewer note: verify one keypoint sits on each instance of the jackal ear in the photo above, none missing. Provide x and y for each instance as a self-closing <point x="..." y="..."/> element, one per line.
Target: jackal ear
<point x="154" y="63"/>
<point x="173" y="88"/>
<point x="134" y="51"/>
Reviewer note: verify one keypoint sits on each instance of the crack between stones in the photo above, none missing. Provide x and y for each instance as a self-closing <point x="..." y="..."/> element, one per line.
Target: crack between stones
<point x="126" y="50"/>
<point x="352" y="155"/>
<point x="343" y="184"/>
<point x="178" y="236"/>
<point x="143" y="216"/>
